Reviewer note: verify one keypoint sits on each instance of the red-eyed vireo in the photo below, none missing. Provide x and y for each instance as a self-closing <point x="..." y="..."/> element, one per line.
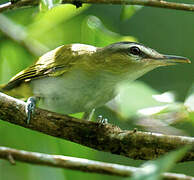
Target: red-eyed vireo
<point x="79" y="78"/>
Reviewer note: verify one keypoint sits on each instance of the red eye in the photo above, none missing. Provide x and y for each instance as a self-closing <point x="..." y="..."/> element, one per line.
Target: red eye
<point x="135" y="50"/>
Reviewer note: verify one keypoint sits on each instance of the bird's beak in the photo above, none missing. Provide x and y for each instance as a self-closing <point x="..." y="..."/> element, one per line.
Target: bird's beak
<point x="171" y="60"/>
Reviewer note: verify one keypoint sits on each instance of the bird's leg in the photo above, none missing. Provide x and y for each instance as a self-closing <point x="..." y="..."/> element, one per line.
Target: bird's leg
<point x="88" y="115"/>
<point x="30" y="107"/>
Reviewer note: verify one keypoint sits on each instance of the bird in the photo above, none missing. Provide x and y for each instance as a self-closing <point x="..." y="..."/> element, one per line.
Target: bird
<point x="77" y="77"/>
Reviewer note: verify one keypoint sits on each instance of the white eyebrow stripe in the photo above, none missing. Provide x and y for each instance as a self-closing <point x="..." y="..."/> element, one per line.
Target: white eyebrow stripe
<point x="148" y="51"/>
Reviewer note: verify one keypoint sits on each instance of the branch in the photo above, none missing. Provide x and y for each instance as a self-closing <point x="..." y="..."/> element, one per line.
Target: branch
<point x="151" y="3"/>
<point x="102" y="137"/>
<point x="17" y="33"/>
<point x="79" y="164"/>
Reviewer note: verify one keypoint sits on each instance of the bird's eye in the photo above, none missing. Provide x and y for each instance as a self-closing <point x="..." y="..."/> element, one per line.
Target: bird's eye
<point x="135" y="50"/>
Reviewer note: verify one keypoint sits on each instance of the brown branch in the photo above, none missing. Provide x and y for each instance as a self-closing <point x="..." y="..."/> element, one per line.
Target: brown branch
<point x="79" y="164"/>
<point x="103" y="137"/>
<point x="151" y="3"/>
<point x="18" y="4"/>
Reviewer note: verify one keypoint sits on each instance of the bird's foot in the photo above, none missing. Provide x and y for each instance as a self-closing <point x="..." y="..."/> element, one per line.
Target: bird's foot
<point x="30" y="107"/>
<point x="102" y="120"/>
<point x="77" y="3"/>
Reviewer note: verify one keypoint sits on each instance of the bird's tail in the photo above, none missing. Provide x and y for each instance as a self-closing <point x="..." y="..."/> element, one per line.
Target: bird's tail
<point x="3" y="89"/>
<point x="21" y="92"/>
<point x="9" y="91"/>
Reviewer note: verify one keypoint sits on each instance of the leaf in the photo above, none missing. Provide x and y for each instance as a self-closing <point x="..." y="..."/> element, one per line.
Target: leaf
<point x="134" y="96"/>
<point x="44" y="22"/>
<point x="167" y="97"/>
<point x="94" y="32"/>
<point x="152" y="170"/>
<point x="129" y="10"/>
<point x="152" y="110"/>
<point x="77" y="115"/>
<point x="189" y="102"/>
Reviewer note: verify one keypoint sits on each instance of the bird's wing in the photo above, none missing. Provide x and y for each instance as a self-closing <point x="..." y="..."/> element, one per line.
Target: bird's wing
<point x="53" y="63"/>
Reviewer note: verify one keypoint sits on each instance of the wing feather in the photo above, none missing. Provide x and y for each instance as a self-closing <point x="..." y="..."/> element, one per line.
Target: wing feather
<point x="45" y="66"/>
<point x="53" y="63"/>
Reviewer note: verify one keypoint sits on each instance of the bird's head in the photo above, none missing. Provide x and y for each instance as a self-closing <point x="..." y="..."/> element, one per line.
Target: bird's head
<point x="135" y="59"/>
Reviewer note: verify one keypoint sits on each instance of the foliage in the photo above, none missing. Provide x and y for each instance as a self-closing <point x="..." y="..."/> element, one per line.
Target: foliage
<point x="129" y="11"/>
<point x="51" y="25"/>
<point x="152" y="170"/>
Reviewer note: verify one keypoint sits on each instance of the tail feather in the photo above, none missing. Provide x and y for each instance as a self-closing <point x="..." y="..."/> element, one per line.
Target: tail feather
<point x="2" y="88"/>
<point x="21" y="92"/>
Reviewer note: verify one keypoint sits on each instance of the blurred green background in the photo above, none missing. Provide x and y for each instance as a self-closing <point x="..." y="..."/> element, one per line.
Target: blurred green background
<point x="27" y="33"/>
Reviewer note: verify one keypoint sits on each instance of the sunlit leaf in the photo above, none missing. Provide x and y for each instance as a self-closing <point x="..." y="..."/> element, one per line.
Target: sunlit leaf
<point x="135" y="96"/>
<point x="189" y="102"/>
<point x="129" y="10"/>
<point x="152" y="170"/>
<point x="152" y="110"/>
<point x="50" y="19"/>
<point x="77" y="115"/>
<point x="167" y="97"/>
<point x="94" y="32"/>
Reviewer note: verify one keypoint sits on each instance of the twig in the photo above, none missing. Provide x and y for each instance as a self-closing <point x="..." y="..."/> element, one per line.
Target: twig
<point x="19" y="35"/>
<point x="10" y="158"/>
<point x="80" y="164"/>
<point x="103" y="137"/>
<point x="5" y="5"/>
<point x="18" y="4"/>
<point x="151" y="3"/>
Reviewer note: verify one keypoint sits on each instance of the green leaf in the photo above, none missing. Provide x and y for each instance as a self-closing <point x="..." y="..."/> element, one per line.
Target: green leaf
<point x="77" y="115"/>
<point x="94" y="32"/>
<point x="129" y="10"/>
<point x="45" y="22"/>
<point x="152" y="170"/>
<point x="134" y="96"/>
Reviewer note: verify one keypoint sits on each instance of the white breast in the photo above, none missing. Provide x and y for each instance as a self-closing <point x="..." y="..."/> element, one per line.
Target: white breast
<point x="72" y="93"/>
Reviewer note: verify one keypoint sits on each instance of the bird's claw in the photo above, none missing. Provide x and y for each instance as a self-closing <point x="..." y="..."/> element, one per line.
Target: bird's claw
<point x="30" y="107"/>
<point x="102" y="120"/>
